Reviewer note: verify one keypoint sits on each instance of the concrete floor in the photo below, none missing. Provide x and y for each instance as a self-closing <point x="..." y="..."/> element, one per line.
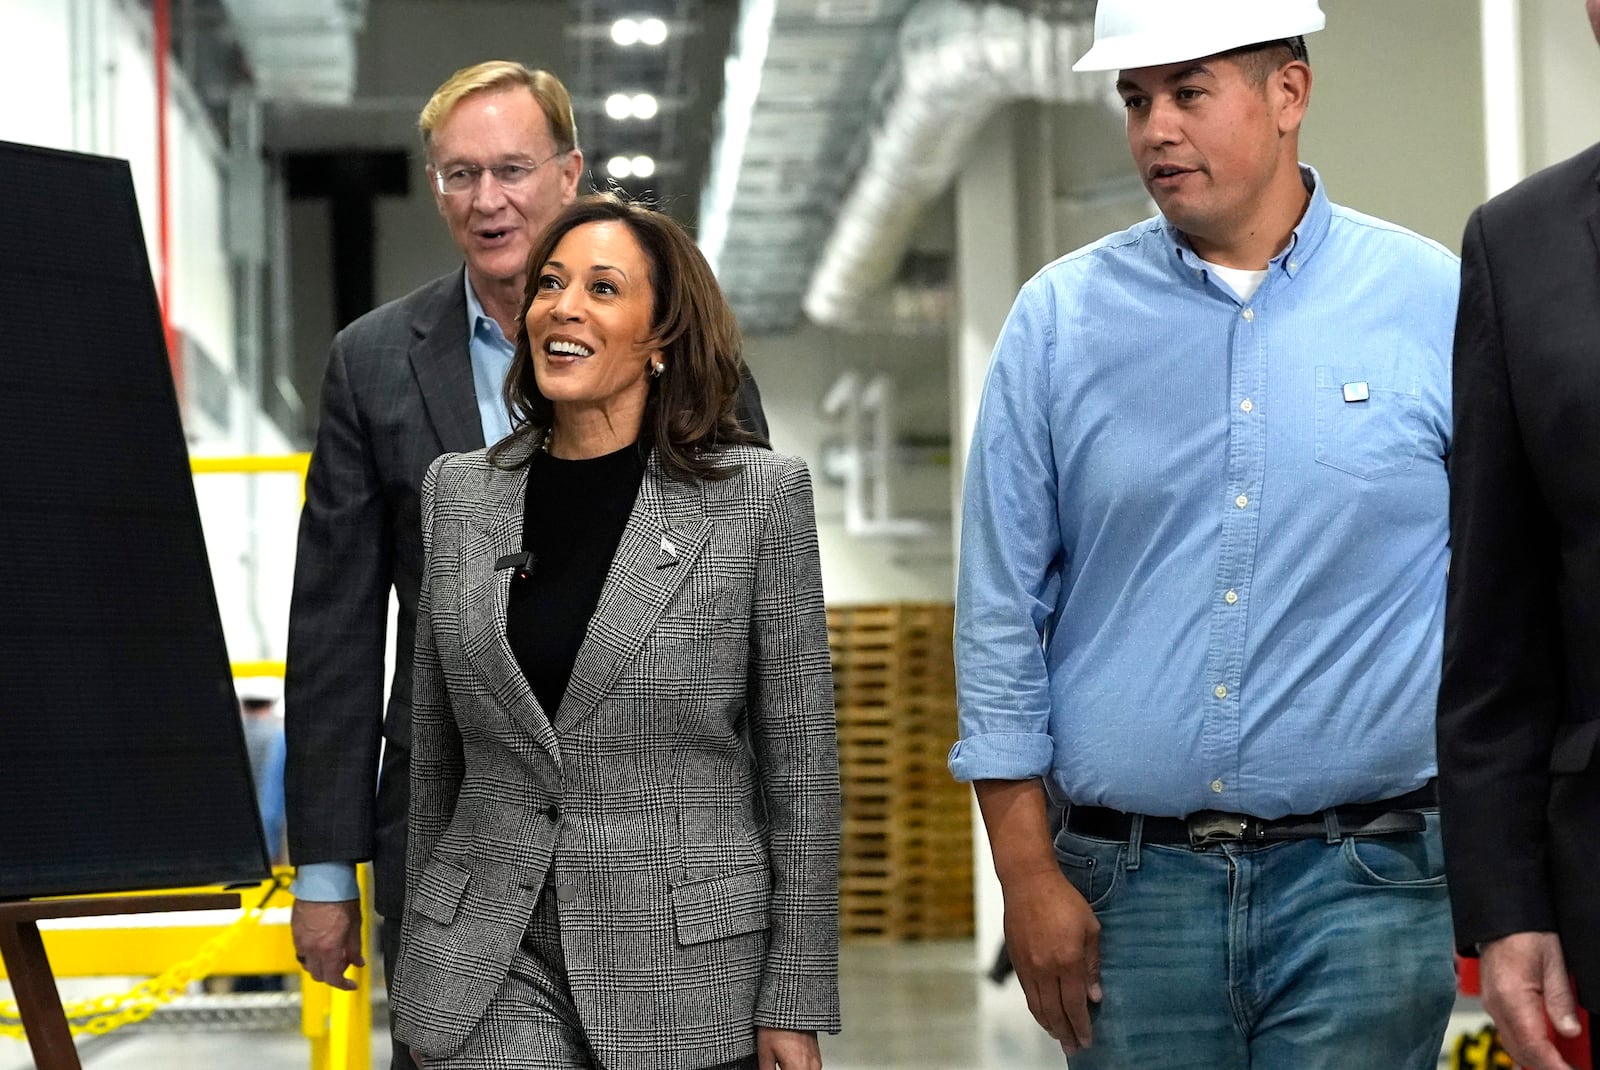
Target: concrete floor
<point x="907" y="1007"/>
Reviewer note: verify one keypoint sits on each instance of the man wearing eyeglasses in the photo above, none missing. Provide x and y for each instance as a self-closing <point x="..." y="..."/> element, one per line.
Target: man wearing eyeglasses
<point x="418" y="377"/>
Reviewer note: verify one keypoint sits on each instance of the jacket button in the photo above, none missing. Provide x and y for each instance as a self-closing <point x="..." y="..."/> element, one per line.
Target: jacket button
<point x="553" y="812"/>
<point x="566" y="893"/>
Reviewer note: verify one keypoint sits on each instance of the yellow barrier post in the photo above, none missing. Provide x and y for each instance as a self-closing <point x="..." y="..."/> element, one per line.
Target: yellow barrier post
<point x="339" y="1023"/>
<point x="336" y="1022"/>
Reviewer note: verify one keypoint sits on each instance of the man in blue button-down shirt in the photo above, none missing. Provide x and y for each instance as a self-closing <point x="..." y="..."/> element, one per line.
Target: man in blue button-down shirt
<point x="1201" y="590"/>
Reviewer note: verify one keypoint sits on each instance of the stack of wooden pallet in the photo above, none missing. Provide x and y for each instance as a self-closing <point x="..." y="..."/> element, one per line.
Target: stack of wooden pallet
<point x="906" y="864"/>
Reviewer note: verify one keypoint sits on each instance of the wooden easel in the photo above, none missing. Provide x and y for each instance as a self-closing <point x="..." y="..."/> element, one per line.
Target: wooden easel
<point x="29" y="967"/>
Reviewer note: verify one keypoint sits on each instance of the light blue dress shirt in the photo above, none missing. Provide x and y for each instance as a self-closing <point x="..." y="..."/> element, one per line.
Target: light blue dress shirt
<point x="1204" y="540"/>
<point x="491" y="354"/>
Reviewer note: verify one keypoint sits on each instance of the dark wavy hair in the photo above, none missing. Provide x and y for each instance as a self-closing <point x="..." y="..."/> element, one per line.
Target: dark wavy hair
<point x="689" y="412"/>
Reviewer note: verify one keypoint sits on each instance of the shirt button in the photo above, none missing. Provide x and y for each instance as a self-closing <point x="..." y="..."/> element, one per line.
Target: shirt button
<point x="1220" y="691"/>
<point x="566" y="893"/>
<point x="1249" y="315"/>
<point x="1294" y="265"/>
<point x="553" y="812"/>
<point x="1247" y="405"/>
<point x="1216" y="786"/>
<point x="1241" y="501"/>
<point x="1231" y="597"/>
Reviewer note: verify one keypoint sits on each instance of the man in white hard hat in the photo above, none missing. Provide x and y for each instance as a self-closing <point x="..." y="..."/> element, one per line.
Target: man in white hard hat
<point x="1202" y="590"/>
<point x="1519" y="704"/>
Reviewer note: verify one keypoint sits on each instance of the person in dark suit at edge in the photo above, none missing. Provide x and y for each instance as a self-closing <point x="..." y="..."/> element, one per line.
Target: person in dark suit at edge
<point x="1519" y="701"/>
<point x="415" y="378"/>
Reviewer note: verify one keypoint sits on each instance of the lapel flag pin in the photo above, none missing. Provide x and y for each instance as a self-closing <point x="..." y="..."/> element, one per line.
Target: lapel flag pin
<point x="1356" y="392"/>
<point x="669" y="553"/>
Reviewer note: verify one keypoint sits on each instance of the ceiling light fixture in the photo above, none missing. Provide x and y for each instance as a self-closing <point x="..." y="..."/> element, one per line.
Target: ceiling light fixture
<point x="642" y="166"/>
<point x="625" y="32"/>
<point x="643" y="106"/>
<point x="628" y="32"/>
<point x="619" y="167"/>
<point x="652" y="32"/>
<point x="620" y="105"/>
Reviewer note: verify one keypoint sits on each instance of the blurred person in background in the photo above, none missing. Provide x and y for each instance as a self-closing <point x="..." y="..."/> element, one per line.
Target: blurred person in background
<point x="415" y="378"/>
<point x="264" y="742"/>
<point x="1519" y="705"/>
<point x="1201" y="597"/>
<point x="624" y="776"/>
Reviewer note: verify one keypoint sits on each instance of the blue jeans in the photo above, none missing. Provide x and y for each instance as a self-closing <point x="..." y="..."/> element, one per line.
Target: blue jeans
<point x="1296" y="955"/>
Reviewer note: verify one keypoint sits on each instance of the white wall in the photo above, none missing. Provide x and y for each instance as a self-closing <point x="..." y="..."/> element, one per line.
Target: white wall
<point x="1396" y="120"/>
<point x="1561" y="77"/>
<point x="794" y="372"/>
<point x="80" y="75"/>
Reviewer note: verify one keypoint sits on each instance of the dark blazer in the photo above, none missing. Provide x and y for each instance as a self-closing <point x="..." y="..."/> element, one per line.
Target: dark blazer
<point x="682" y="802"/>
<point x="1519" y="705"/>
<point x="397" y="393"/>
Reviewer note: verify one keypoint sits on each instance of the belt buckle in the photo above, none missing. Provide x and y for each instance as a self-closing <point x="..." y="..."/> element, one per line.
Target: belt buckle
<point x="1215" y="826"/>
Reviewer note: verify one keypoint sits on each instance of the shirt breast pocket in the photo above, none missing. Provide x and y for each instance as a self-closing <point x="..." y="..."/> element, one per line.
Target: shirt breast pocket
<point x="1366" y="425"/>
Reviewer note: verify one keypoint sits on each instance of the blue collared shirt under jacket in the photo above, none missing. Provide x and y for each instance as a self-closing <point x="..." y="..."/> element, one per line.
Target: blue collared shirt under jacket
<point x="491" y="353"/>
<point x="1204" y="540"/>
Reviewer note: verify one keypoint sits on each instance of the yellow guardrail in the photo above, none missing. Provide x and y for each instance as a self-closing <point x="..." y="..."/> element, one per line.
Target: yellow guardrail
<point x="252" y="464"/>
<point x="252" y="940"/>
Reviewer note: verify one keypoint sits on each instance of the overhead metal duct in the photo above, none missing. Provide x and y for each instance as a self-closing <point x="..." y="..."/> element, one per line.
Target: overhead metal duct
<point x="958" y="64"/>
<point x="300" y="51"/>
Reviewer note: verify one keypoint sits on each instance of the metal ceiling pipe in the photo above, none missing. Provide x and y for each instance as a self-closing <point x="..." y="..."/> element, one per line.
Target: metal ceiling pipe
<point x="958" y="64"/>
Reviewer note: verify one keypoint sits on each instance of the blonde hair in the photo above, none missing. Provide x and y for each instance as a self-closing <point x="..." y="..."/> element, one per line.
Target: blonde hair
<point x="497" y="74"/>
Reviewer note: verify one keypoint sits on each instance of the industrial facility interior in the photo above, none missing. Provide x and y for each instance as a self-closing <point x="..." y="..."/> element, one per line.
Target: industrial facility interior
<point x="872" y="181"/>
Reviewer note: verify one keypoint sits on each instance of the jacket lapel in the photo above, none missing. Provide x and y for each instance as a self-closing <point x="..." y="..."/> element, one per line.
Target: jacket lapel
<point x="664" y="536"/>
<point x="1594" y="212"/>
<point x="486" y="593"/>
<point x="442" y="364"/>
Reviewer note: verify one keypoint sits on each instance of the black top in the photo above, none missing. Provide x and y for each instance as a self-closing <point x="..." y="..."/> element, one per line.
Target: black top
<point x="572" y="521"/>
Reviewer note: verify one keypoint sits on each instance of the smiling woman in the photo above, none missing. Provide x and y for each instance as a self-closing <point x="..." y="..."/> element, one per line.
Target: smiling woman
<point x="626" y="336"/>
<point x="590" y="338"/>
<point x="625" y="799"/>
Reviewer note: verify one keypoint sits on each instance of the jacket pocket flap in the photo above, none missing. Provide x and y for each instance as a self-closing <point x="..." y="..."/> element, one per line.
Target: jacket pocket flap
<point x="439" y="891"/>
<point x="1574" y="747"/>
<point x="717" y="907"/>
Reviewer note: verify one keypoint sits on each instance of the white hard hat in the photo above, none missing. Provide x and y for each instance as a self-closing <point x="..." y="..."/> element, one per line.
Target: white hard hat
<point x="258" y="688"/>
<point x="1146" y="33"/>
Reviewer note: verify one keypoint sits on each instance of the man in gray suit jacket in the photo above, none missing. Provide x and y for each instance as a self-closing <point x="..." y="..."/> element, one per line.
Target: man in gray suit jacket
<point x="418" y="377"/>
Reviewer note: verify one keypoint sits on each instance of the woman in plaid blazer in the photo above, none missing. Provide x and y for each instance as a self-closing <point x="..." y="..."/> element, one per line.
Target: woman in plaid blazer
<point x="624" y="786"/>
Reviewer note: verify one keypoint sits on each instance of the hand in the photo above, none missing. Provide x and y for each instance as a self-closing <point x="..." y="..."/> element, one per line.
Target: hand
<point x="1054" y="939"/>
<point x="1525" y="979"/>
<point x="327" y="939"/>
<point x="786" y="1049"/>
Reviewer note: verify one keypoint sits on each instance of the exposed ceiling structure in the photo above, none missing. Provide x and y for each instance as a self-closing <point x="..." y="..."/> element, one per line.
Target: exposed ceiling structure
<point x="681" y="76"/>
<point x="302" y="51"/>
<point x="840" y="119"/>
<point x="803" y="85"/>
<point x="405" y="48"/>
<point x="858" y="118"/>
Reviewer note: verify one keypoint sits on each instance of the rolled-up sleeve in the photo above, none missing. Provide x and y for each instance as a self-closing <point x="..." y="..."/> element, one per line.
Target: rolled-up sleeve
<point x="1010" y="559"/>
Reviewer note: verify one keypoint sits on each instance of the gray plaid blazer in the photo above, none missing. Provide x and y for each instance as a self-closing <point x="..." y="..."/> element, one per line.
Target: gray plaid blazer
<point x="682" y="802"/>
<point x="397" y="393"/>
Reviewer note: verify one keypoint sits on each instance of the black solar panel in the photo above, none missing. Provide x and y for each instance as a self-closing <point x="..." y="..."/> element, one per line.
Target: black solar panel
<point x="122" y="760"/>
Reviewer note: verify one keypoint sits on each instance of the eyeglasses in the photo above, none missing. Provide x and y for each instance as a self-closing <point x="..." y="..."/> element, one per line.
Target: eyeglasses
<point x="463" y="178"/>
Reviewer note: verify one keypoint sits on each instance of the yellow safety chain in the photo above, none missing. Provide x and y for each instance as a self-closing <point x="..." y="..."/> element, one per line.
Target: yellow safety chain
<point x="1480" y="1051"/>
<point x="102" y="1014"/>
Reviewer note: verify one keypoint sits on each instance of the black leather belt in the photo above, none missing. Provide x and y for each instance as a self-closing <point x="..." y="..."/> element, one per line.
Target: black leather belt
<point x="1381" y="818"/>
